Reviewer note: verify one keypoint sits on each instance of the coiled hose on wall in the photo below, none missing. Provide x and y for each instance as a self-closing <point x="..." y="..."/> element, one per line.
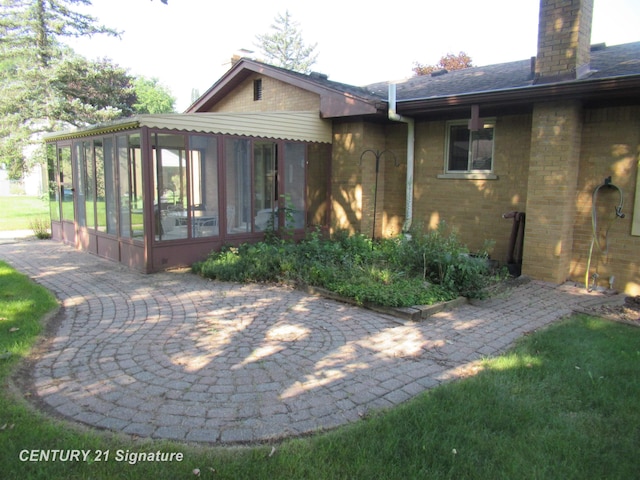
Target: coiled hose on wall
<point x="594" y="226"/>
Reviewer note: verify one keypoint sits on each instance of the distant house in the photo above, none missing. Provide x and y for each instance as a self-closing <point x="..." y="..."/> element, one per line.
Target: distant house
<point x="538" y="137"/>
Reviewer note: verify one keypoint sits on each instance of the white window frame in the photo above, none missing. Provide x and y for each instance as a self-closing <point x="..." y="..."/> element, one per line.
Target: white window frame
<point x="469" y="173"/>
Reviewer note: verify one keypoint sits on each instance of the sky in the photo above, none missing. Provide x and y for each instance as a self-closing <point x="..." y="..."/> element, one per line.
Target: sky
<point x="188" y="44"/>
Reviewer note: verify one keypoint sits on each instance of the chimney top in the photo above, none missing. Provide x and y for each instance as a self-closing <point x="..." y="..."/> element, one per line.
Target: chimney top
<point x="564" y="38"/>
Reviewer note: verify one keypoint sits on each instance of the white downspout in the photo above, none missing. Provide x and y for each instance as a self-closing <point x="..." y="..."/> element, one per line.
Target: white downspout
<point x="411" y="136"/>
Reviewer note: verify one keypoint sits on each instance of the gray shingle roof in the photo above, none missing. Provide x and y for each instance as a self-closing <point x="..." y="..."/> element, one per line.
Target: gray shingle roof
<point x="606" y="62"/>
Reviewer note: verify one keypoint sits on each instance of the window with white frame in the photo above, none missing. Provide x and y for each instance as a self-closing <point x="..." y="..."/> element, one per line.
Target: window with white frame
<point x="469" y="151"/>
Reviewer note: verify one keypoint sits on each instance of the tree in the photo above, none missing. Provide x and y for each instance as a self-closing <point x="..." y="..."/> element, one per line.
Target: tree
<point x="449" y="62"/>
<point x="285" y="48"/>
<point x="89" y="92"/>
<point x="152" y="96"/>
<point x="30" y="49"/>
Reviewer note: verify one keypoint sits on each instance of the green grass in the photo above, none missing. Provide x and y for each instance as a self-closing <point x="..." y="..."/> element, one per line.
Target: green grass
<point x="17" y="212"/>
<point x="562" y="404"/>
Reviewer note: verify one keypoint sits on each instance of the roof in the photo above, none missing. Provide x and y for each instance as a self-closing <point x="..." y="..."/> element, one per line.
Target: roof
<point x="336" y="99"/>
<point x="295" y="126"/>
<point x="606" y="63"/>
<point x="614" y="73"/>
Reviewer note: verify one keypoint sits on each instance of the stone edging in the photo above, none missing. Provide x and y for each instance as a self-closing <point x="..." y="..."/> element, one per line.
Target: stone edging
<point x="414" y="314"/>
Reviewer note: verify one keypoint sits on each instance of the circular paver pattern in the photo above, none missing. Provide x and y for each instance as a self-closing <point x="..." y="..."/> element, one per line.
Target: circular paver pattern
<point x="175" y="356"/>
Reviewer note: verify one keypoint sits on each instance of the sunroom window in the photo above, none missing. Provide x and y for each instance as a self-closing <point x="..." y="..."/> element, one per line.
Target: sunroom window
<point x="469" y="151"/>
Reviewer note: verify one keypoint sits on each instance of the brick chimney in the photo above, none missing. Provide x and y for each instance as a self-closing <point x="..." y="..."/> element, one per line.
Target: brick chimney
<point x="564" y="38"/>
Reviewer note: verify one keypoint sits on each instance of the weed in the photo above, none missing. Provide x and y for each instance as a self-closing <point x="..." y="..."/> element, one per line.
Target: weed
<point x="40" y="227"/>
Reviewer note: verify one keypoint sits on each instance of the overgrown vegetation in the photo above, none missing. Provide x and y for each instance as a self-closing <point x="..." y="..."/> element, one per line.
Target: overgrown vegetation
<point x="416" y="269"/>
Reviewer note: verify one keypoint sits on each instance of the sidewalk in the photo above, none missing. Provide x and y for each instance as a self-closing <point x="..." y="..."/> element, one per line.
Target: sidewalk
<point x="12" y="235"/>
<point x="175" y="356"/>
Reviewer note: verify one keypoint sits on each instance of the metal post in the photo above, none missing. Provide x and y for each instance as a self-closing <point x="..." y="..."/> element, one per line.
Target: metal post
<point x="378" y="154"/>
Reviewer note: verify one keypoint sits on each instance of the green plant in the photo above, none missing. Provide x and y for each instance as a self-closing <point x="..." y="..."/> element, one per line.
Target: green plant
<point x="399" y="272"/>
<point x="40" y="227"/>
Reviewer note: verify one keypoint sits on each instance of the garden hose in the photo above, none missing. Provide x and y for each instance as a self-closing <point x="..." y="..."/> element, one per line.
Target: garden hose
<point x="594" y="226"/>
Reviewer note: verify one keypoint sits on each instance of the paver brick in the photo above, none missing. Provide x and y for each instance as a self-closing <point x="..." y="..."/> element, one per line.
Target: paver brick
<point x="173" y="356"/>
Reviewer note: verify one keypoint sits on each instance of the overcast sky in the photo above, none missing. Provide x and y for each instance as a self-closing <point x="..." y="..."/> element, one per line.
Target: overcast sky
<point x="187" y="44"/>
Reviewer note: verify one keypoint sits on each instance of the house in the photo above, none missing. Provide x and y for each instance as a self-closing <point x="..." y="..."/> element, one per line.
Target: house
<point x="555" y="138"/>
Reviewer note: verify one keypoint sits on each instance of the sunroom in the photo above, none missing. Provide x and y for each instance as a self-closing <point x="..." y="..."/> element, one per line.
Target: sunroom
<point x="160" y="191"/>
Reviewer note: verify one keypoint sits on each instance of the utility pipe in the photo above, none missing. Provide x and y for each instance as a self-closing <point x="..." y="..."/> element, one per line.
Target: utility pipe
<point x="411" y="137"/>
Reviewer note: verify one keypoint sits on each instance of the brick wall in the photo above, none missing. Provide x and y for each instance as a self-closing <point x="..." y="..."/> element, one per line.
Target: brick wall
<point x="354" y="178"/>
<point x="473" y="207"/>
<point x="551" y="191"/>
<point x="346" y="178"/>
<point x="610" y="147"/>
<point x="276" y="96"/>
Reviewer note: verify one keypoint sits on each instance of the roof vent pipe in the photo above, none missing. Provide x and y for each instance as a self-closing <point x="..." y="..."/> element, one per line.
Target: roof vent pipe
<point x="411" y="135"/>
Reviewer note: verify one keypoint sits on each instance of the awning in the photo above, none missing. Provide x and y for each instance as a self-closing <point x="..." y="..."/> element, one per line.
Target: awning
<point x="296" y="126"/>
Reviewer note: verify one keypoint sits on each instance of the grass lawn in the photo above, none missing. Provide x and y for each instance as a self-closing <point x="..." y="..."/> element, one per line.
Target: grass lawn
<point x="562" y="404"/>
<point x="17" y="212"/>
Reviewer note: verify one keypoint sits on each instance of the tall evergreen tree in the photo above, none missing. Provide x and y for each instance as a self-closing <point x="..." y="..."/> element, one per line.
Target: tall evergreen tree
<point x="30" y="51"/>
<point x="285" y="48"/>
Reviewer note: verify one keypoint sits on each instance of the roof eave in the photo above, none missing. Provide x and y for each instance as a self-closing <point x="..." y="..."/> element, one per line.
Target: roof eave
<point x="102" y="129"/>
<point x="581" y="89"/>
<point x="333" y="103"/>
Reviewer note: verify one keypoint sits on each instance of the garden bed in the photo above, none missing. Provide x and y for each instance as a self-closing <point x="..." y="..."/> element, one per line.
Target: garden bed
<point x="429" y="270"/>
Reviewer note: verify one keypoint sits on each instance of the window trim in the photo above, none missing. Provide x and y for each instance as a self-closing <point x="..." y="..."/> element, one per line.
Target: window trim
<point x="468" y="174"/>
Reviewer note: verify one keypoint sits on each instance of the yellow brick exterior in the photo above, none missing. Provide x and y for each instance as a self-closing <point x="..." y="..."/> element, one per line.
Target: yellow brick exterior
<point x="276" y="96"/>
<point x="610" y="147"/>
<point x="563" y="40"/>
<point x="473" y="208"/>
<point x="547" y="164"/>
<point x="553" y="172"/>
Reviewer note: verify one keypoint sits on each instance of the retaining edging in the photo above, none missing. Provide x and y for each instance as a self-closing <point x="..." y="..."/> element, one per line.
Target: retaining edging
<point x="415" y="313"/>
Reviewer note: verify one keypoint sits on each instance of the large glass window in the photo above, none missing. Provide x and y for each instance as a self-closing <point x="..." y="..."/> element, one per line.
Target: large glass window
<point x="265" y="185"/>
<point x="294" y="184"/>
<point x="110" y="217"/>
<point x="170" y="193"/>
<point x="66" y="183"/>
<point x="89" y="183"/>
<point x="238" y="185"/>
<point x="203" y="159"/>
<point x="469" y="151"/>
<point x="260" y="180"/>
<point x="130" y="186"/>
<point x="54" y="188"/>
<point x="186" y="186"/>
<point x="81" y="214"/>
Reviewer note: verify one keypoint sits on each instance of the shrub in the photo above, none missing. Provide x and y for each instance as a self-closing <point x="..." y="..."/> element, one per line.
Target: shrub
<point x="408" y="270"/>
<point x="40" y="228"/>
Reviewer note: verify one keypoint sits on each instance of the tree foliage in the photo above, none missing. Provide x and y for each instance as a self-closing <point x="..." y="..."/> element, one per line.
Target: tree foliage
<point x="284" y="47"/>
<point x="448" y="62"/>
<point x="44" y="85"/>
<point x="152" y="96"/>
<point x="89" y="92"/>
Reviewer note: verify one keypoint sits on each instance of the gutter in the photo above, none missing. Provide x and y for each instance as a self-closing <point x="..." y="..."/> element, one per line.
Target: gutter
<point x="592" y="89"/>
<point x="411" y="136"/>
